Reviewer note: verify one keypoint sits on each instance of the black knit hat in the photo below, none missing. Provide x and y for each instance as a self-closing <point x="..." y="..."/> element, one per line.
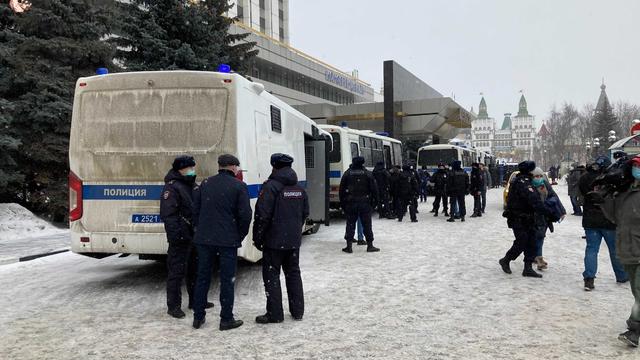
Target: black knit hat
<point x="228" y="160"/>
<point x="526" y="167"/>
<point x="279" y="160"/>
<point x="358" y="161"/>
<point x="183" y="161"/>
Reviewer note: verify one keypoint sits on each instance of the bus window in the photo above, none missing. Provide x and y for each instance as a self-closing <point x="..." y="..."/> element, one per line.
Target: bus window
<point x="334" y="155"/>
<point x="397" y="154"/>
<point x="432" y="157"/>
<point x="354" y="150"/>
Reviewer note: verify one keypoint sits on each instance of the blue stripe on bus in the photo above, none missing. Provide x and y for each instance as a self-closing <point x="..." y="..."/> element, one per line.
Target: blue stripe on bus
<point x="335" y="174"/>
<point x="143" y="192"/>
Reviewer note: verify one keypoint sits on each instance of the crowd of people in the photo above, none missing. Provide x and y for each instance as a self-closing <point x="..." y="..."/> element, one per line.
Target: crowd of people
<point x="206" y="223"/>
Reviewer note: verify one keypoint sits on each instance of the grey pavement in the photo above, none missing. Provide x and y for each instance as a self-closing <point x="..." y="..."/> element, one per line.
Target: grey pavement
<point x="12" y="250"/>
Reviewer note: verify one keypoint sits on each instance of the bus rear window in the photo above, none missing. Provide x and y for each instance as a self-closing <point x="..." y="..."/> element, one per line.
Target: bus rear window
<point x="430" y="158"/>
<point x="334" y="155"/>
<point x="152" y="121"/>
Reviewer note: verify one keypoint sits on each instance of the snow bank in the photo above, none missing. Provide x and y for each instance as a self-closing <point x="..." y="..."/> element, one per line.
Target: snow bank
<point x="17" y="222"/>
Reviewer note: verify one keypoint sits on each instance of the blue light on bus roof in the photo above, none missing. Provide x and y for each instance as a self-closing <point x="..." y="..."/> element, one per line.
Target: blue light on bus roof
<point x="224" y="68"/>
<point x="343" y="124"/>
<point x="383" y="133"/>
<point x="102" y="71"/>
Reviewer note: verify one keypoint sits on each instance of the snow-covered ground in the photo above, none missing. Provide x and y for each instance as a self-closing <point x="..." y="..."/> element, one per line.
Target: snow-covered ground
<point x="23" y="234"/>
<point x="435" y="291"/>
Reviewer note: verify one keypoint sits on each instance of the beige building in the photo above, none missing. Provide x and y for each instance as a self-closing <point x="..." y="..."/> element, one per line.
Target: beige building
<point x="270" y="17"/>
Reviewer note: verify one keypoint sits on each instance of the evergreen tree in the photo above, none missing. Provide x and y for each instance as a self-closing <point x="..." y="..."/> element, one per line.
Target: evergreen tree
<point x="42" y="52"/>
<point x="604" y="120"/>
<point x="180" y="34"/>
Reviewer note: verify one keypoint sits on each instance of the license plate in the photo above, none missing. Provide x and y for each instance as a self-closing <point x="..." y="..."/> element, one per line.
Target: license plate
<point x="145" y="218"/>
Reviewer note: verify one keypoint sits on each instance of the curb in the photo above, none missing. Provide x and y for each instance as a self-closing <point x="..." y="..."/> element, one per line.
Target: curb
<point x="12" y="260"/>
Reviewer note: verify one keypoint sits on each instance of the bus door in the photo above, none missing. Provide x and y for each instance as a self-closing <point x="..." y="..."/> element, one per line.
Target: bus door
<point x="388" y="163"/>
<point x="316" y="151"/>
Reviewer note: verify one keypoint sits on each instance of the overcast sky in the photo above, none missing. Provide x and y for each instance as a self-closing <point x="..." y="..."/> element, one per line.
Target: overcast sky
<point x="554" y="50"/>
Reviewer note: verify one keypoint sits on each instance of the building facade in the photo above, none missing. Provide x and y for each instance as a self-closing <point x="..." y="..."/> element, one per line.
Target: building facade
<point x="514" y="141"/>
<point x="270" y="17"/>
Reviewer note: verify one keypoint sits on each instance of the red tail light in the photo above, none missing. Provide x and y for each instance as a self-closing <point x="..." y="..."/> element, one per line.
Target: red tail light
<point x="75" y="197"/>
<point x="239" y="175"/>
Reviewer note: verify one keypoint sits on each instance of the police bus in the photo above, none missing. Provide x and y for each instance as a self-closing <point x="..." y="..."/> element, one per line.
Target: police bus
<point x="128" y="127"/>
<point x="349" y="143"/>
<point x="431" y="155"/>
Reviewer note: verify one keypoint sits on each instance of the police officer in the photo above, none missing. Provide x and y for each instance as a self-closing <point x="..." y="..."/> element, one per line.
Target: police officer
<point x="382" y="177"/>
<point x="457" y="188"/>
<point x="358" y="191"/>
<point x="407" y="188"/>
<point x="522" y="205"/>
<point x="281" y="211"/>
<point x="222" y="216"/>
<point x="393" y="187"/>
<point x="475" y="188"/>
<point x="175" y="212"/>
<point x="440" y="179"/>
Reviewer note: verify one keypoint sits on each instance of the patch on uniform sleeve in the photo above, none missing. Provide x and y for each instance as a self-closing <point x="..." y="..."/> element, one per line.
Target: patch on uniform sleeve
<point x="166" y="195"/>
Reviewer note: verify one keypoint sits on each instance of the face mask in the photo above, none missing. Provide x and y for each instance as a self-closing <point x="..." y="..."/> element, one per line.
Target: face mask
<point x="538" y="181"/>
<point x="635" y="171"/>
<point x="191" y="172"/>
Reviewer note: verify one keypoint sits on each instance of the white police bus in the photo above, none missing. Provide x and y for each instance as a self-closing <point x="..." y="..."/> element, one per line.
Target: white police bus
<point x="349" y="143"/>
<point x="128" y="127"/>
<point x="431" y="155"/>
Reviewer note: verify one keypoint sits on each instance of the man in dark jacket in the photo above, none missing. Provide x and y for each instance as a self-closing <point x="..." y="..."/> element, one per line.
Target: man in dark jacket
<point x="424" y="183"/>
<point x="222" y="215"/>
<point x="393" y="186"/>
<point x="440" y="179"/>
<point x="523" y="203"/>
<point x="281" y="210"/>
<point x="475" y="188"/>
<point x="457" y="188"/>
<point x="382" y="177"/>
<point x="358" y="191"/>
<point x="407" y="188"/>
<point x="596" y="227"/>
<point x="572" y="181"/>
<point x="175" y="212"/>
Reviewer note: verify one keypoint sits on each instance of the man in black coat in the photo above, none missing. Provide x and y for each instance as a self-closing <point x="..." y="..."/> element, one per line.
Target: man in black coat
<point x="440" y="179"/>
<point x="281" y="210"/>
<point x="175" y="212"/>
<point x="382" y="177"/>
<point x="222" y="215"/>
<point x="407" y="188"/>
<point x="475" y="188"/>
<point x="393" y="187"/>
<point x="523" y="203"/>
<point x="457" y="188"/>
<point x="358" y="191"/>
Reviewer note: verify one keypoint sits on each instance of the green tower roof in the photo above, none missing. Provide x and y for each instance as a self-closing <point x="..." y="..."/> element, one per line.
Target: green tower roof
<point x="522" y="108"/>
<point x="482" y="114"/>
<point x="506" y="124"/>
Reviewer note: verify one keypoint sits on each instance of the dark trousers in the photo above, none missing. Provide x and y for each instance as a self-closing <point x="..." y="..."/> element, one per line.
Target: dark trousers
<point x="227" y="259"/>
<point x="574" y="203"/>
<point x="383" y="207"/>
<point x="477" y="203"/>
<point x="423" y="194"/>
<point x="354" y="211"/>
<point x="403" y="209"/>
<point x="436" y="202"/>
<point x="483" y="197"/>
<point x="525" y="242"/>
<point x="181" y="264"/>
<point x="458" y="200"/>
<point x="288" y="260"/>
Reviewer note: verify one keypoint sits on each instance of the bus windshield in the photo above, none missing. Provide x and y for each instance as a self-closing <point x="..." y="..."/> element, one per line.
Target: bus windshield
<point x="431" y="158"/>
<point x="334" y="155"/>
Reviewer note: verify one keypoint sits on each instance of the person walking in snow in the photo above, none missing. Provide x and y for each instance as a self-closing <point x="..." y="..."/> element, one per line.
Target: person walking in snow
<point x="542" y="222"/>
<point x="475" y="188"/>
<point x="523" y="203"/>
<point x="407" y="188"/>
<point x="281" y="210"/>
<point x="440" y="179"/>
<point x="424" y="183"/>
<point x="487" y="185"/>
<point x="572" y="181"/>
<point x="457" y="188"/>
<point x="624" y="211"/>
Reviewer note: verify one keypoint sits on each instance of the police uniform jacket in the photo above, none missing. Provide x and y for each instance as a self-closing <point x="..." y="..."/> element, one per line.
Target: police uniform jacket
<point x="439" y="180"/>
<point x="407" y="185"/>
<point x="592" y="215"/>
<point x="382" y="177"/>
<point x="175" y="207"/>
<point x="477" y="181"/>
<point x="524" y="202"/>
<point x="281" y="210"/>
<point x="458" y="183"/>
<point x="358" y="185"/>
<point x="221" y="210"/>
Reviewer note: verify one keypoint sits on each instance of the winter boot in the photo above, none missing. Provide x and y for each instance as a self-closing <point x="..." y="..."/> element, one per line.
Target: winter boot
<point x="446" y="213"/>
<point x="529" y="272"/>
<point x="475" y="214"/>
<point x="176" y="313"/>
<point x="266" y="319"/>
<point x="435" y="214"/>
<point x="197" y="323"/>
<point x="348" y="249"/>
<point x="589" y="284"/>
<point x="542" y="265"/>
<point x="630" y="337"/>
<point x="232" y="324"/>
<point x="371" y="248"/>
<point x="433" y="211"/>
<point x="462" y="218"/>
<point x="451" y="219"/>
<point x="362" y="242"/>
<point x="504" y="262"/>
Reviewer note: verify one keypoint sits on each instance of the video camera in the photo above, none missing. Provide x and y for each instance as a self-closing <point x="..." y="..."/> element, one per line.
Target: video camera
<point x="614" y="179"/>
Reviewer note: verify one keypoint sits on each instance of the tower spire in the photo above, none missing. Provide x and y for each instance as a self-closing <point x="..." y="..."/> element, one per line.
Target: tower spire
<point x="522" y="108"/>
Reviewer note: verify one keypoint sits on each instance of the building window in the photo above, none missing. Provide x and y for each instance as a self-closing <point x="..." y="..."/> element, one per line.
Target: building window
<point x="240" y="12"/>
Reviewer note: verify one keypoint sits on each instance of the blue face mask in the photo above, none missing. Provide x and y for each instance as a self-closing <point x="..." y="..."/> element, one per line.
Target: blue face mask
<point x="191" y="172"/>
<point x="537" y="181"/>
<point x="635" y="171"/>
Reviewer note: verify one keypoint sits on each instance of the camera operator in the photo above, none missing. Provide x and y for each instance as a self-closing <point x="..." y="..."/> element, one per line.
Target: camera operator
<point x="596" y="226"/>
<point x="623" y="209"/>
